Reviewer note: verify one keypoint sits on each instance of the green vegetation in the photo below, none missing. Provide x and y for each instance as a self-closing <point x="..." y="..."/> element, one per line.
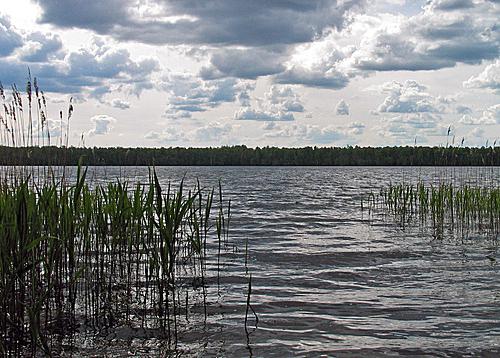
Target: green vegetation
<point x="449" y="210"/>
<point x="73" y="255"/>
<point x="242" y="155"/>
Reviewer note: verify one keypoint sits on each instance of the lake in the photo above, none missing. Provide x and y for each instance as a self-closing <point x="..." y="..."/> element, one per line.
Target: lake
<point x="330" y="279"/>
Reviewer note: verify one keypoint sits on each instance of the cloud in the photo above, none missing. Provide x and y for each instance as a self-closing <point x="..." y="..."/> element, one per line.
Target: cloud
<point x="489" y="116"/>
<point x="462" y="109"/>
<point x="189" y="94"/>
<point x="443" y="34"/>
<point x="342" y="108"/>
<point x="95" y="71"/>
<point x="278" y="104"/>
<point x="488" y="79"/>
<point x="168" y="135"/>
<point x="477" y="133"/>
<point x="316" y="134"/>
<point x="440" y="36"/>
<point x="222" y="22"/>
<point x="479" y="137"/>
<point x="105" y="62"/>
<point x="409" y="97"/>
<point x="247" y="113"/>
<point x="120" y="104"/>
<point x="267" y="126"/>
<point x="212" y="132"/>
<point x="40" y="47"/>
<point x="411" y="127"/>
<point x="355" y="128"/>
<point x="243" y="63"/>
<point x="317" y="43"/>
<point x="102" y="125"/>
<point x="244" y="39"/>
<point x="331" y="78"/>
<point x="451" y="4"/>
<point x="283" y="98"/>
<point x="10" y="39"/>
<point x="317" y="64"/>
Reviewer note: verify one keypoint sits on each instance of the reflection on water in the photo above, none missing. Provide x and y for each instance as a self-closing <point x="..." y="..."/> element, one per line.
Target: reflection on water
<point x="327" y="280"/>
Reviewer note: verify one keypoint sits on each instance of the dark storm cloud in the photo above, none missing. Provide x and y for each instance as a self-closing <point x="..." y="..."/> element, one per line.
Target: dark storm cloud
<point x="217" y="22"/>
<point x="444" y="31"/>
<point x="470" y="53"/>
<point x="267" y="31"/>
<point x="244" y="63"/>
<point x="99" y="15"/>
<point x="51" y="79"/>
<point x="248" y="39"/>
<point x="452" y="4"/>
<point x="393" y="52"/>
<point x="329" y="79"/>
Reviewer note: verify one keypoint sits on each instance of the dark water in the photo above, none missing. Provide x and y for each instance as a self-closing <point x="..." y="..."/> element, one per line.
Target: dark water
<point x="330" y="281"/>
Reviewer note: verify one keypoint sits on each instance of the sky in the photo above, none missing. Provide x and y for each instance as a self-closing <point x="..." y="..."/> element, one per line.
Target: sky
<point x="262" y="72"/>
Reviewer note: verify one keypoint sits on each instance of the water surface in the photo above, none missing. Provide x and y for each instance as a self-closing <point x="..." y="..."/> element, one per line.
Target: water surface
<point x="330" y="280"/>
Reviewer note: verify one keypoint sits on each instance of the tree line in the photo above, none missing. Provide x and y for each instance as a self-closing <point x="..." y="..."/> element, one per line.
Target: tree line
<point x="243" y="155"/>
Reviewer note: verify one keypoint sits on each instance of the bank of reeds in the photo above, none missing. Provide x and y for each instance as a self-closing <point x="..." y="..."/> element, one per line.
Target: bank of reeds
<point x="449" y="210"/>
<point x="72" y="255"/>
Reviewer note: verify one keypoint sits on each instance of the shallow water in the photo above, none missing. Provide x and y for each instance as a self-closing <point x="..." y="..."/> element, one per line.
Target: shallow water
<point x="329" y="280"/>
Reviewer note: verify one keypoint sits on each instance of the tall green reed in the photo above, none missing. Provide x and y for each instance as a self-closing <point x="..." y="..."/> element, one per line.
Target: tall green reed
<point x="446" y="208"/>
<point x="75" y="255"/>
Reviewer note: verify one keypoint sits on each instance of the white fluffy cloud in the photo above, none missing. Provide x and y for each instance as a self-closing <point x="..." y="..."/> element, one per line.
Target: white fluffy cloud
<point x="342" y="108"/>
<point x="409" y="97"/>
<point x="212" y="132"/>
<point x="316" y="134"/>
<point x="209" y="133"/>
<point x="278" y="104"/>
<point x="405" y="129"/>
<point x="440" y="36"/>
<point x="120" y="103"/>
<point x="189" y="94"/>
<point x="40" y="47"/>
<point x="283" y="98"/>
<point x="489" y="116"/>
<point x="168" y="135"/>
<point x="247" y="113"/>
<point x="103" y="124"/>
<point x="488" y="79"/>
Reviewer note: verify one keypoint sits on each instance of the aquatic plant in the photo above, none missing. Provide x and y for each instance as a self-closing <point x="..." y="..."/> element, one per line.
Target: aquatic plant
<point x="72" y="255"/>
<point x="447" y="209"/>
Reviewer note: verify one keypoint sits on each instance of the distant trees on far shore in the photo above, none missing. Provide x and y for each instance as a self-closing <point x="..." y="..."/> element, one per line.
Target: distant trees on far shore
<point x="242" y="155"/>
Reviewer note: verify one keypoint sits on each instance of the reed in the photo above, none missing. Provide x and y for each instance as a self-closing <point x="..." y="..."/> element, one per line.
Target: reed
<point x="449" y="210"/>
<point x="72" y="255"/>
